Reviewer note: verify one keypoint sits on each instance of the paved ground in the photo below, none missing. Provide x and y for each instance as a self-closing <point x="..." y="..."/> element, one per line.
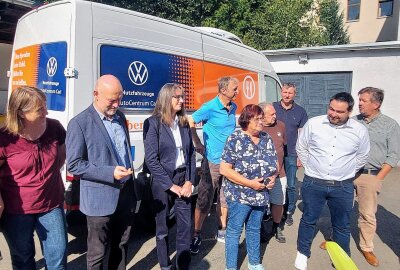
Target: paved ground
<point x="142" y="252"/>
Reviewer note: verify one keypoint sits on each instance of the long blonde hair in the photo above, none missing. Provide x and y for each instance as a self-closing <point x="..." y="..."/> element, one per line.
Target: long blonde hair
<point x="23" y="99"/>
<point x="163" y="108"/>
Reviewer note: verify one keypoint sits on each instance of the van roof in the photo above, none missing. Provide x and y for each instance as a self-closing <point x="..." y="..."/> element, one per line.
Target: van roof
<point x="217" y="33"/>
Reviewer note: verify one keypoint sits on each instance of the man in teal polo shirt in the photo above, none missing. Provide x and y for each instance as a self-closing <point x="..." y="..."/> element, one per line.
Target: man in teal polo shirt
<point x="218" y="118"/>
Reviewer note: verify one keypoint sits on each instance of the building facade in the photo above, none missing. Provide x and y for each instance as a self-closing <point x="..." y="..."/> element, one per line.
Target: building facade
<point x="371" y="20"/>
<point x="320" y="72"/>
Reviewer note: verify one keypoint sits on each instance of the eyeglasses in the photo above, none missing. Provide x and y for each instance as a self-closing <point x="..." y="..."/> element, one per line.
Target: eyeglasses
<point x="258" y="119"/>
<point x="178" y="97"/>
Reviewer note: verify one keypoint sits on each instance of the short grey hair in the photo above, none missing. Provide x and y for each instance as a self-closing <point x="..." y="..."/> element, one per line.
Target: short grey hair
<point x="377" y="94"/>
<point x="289" y="85"/>
<point x="264" y="105"/>
<point x="224" y="81"/>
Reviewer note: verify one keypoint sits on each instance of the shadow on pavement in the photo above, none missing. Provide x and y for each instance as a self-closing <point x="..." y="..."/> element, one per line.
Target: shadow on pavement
<point x="139" y="237"/>
<point x="77" y="228"/>
<point x="388" y="229"/>
<point x="209" y="231"/>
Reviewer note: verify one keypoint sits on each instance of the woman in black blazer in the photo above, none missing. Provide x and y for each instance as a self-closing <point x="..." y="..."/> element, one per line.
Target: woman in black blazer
<point x="170" y="158"/>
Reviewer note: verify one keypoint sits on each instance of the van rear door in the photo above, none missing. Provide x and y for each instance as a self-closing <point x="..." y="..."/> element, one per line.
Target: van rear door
<point x="40" y="55"/>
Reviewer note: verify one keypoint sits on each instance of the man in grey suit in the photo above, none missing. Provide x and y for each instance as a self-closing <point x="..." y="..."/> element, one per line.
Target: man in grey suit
<point x="98" y="151"/>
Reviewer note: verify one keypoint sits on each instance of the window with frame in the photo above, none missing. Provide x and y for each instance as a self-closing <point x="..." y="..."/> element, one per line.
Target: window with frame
<point x="385" y="8"/>
<point x="353" y="10"/>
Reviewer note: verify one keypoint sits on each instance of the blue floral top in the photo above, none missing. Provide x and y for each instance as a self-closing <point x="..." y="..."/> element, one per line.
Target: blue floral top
<point x="252" y="161"/>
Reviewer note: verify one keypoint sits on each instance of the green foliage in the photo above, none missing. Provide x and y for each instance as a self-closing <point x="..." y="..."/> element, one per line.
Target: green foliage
<point x="268" y="24"/>
<point x="335" y="32"/>
<point x="262" y="24"/>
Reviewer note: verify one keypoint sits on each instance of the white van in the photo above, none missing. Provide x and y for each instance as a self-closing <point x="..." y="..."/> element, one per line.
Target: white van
<point x="63" y="47"/>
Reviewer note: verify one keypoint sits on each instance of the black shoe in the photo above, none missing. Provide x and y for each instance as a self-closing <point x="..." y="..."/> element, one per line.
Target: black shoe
<point x="267" y="217"/>
<point x="266" y="237"/>
<point x="195" y="245"/>
<point x="279" y="236"/>
<point x="289" y="220"/>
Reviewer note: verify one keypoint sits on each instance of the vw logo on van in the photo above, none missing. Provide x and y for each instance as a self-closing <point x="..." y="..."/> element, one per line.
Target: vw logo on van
<point x="51" y="66"/>
<point x="249" y="87"/>
<point x="138" y="73"/>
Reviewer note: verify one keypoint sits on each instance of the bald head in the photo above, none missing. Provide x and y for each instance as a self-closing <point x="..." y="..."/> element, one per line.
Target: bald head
<point x="269" y="113"/>
<point x="107" y="82"/>
<point x="107" y="95"/>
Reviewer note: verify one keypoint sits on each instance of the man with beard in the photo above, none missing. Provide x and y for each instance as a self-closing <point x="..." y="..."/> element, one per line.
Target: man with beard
<point x="332" y="148"/>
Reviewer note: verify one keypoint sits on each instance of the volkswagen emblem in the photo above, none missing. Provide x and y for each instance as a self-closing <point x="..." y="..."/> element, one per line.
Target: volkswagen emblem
<point x="51" y="66"/>
<point x="249" y="87"/>
<point x="138" y="73"/>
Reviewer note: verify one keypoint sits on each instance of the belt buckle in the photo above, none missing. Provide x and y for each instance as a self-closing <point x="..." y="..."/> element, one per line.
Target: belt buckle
<point x="330" y="182"/>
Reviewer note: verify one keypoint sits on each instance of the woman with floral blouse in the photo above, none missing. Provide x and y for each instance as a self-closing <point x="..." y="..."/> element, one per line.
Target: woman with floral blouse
<point x="249" y="164"/>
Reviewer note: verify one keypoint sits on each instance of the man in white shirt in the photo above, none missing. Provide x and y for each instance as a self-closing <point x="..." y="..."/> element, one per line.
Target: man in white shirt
<point x="332" y="148"/>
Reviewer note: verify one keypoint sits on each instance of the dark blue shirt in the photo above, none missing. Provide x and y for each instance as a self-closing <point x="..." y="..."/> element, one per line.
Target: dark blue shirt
<point x="252" y="161"/>
<point x="294" y="118"/>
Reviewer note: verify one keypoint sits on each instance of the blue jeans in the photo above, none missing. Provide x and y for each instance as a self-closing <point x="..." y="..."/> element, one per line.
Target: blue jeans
<point x="238" y="215"/>
<point x="51" y="230"/>
<point x="291" y="170"/>
<point x="340" y="202"/>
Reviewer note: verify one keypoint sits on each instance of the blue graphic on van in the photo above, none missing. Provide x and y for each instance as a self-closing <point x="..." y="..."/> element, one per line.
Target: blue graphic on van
<point x="142" y="73"/>
<point x="51" y="79"/>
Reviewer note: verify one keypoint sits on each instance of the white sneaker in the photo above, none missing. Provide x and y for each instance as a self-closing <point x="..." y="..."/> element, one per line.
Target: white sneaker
<point x="301" y="261"/>
<point x="255" y="267"/>
<point x="221" y="236"/>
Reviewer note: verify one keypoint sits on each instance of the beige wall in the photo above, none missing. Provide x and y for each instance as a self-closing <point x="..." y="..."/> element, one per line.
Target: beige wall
<point x="370" y="27"/>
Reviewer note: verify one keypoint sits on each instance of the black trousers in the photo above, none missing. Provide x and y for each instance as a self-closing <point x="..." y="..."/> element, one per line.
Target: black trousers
<point x="162" y="203"/>
<point x="111" y="232"/>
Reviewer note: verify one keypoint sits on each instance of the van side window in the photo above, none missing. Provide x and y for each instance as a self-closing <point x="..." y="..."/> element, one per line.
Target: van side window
<point x="273" y="89"/>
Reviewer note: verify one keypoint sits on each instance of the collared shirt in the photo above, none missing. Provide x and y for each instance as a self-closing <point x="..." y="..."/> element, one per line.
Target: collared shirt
<point x="294" y="118"/>
<point x="332" y="152"/>
<point x="180" y="157"/>
<point x="384" y="135"/>
<point x="118" y="138"/>
<point x="218" y="124"/>
<point x="252" y="161"/>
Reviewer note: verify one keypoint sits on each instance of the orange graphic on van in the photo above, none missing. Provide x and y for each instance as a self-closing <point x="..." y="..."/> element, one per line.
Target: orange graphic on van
<point x="200" y="80"/>
<point x="25" y="67"/>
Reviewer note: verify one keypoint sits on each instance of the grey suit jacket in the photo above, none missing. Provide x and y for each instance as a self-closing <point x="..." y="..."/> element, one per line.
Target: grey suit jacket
<point x="90" y="156"/>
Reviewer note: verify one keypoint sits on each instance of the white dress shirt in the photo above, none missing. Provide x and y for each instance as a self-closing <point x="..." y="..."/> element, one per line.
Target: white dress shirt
<point x="332" y="152"/>
<point x="180" y="157"/>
